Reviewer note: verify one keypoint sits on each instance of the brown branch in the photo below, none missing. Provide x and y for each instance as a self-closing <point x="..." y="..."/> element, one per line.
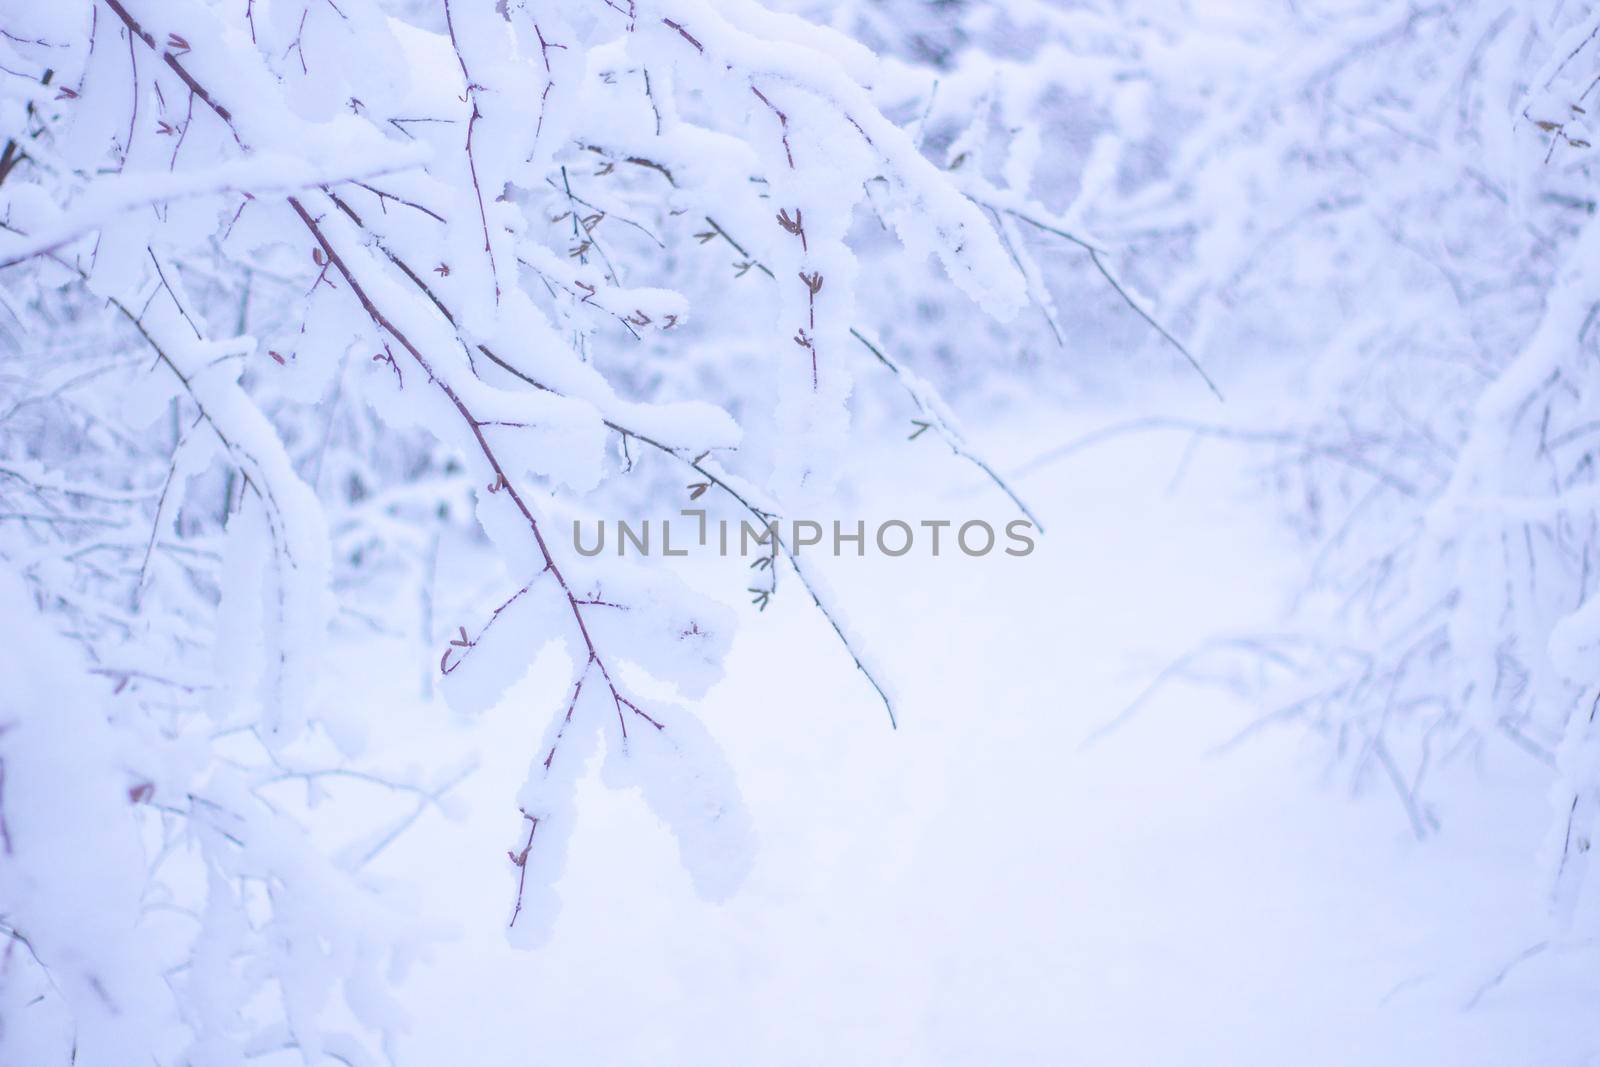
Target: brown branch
<point x="686" y="35"/>
<point x="472" y="164"/>
<point x="473" y="424"/>
<point x="177" y="68"/>
<point x="380" y="320"/>
<point x="783" y="122"/>
<point x="1112" y="280"/>
<point x="521" y="860"/>
<point x="945" y="430"/>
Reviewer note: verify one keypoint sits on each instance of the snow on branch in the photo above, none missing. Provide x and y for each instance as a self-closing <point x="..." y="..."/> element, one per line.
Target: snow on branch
<point x="348" y="285"/>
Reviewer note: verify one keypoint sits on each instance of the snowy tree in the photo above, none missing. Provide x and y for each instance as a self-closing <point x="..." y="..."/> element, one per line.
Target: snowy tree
<point x="289" y="288"/>
<point x="299" y="293"/>
<point x="1406" y="194"/>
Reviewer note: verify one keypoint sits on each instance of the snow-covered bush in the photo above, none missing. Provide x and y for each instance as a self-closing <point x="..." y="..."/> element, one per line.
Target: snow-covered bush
<point x="1436" y="245"/>
<point x="294" y="291"/>
<point x="1395" y="205"/>
<point x="289" y="289"/>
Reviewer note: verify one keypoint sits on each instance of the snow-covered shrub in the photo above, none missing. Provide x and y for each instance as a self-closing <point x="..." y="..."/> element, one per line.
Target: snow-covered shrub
<point x="288" y="290"/>
<point x="291" y="291"/>
<point x="1443" y="222"/>
<point x="1389" y="209"/>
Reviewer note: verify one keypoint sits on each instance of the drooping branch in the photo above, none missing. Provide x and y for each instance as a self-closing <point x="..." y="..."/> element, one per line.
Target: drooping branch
<point x="339" y="262"/>
<point x="917" y="390"/>
<point x="696" y="463"/>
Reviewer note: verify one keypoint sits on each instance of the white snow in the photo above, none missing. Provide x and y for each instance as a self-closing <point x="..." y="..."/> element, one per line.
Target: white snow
<point x="981" y="885"/>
